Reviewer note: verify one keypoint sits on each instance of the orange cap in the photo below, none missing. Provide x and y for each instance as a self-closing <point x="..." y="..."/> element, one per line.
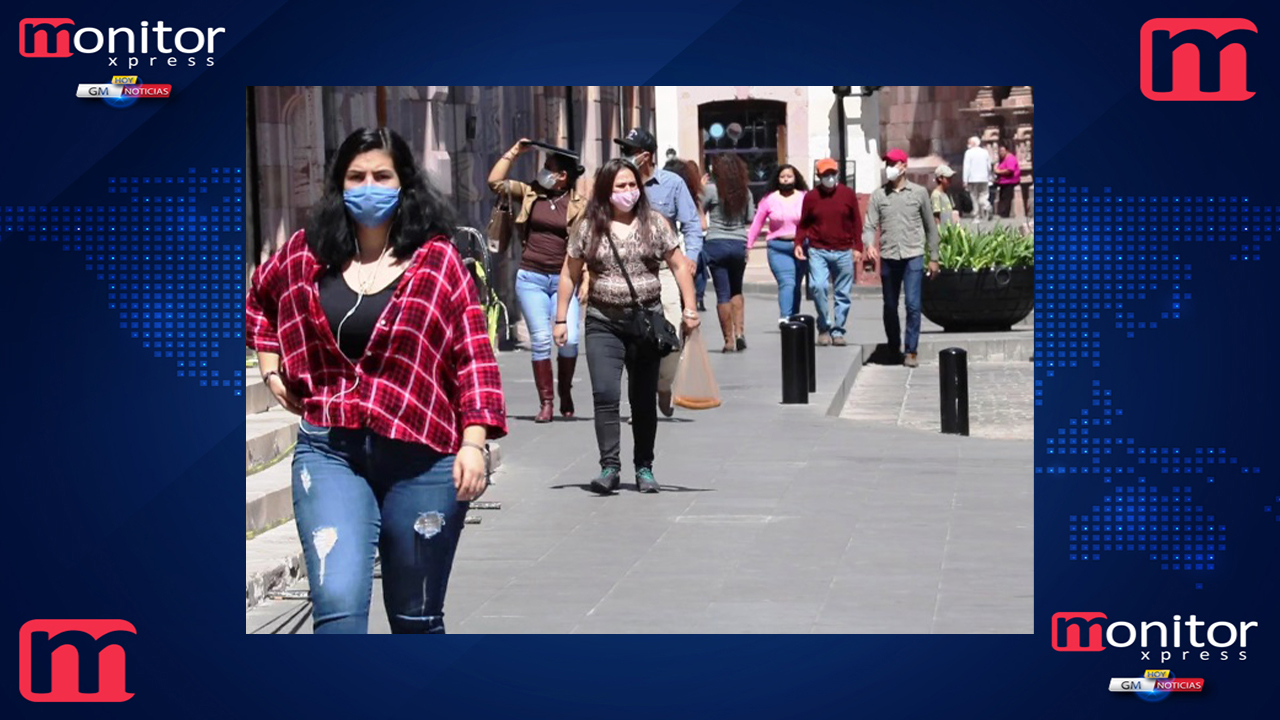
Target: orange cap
<point x="826" y="165"/>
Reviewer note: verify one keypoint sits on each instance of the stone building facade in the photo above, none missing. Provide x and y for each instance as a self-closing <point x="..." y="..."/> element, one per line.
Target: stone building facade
<point x="934" y="123"/>
<point x="457" y="132"/>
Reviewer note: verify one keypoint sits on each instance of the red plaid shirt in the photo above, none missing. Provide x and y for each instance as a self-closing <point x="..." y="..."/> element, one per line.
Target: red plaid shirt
<point x="427" y="372"/>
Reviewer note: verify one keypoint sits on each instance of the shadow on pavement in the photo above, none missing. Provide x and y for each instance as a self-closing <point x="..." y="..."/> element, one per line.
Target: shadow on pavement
<point x="884" y="355"/>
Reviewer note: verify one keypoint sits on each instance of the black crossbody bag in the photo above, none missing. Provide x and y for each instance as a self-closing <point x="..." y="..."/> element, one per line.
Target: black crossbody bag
<point x="650" y="327"/>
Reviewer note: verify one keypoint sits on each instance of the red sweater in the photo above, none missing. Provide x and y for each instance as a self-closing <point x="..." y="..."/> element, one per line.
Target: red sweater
<point x="830" y="219"/>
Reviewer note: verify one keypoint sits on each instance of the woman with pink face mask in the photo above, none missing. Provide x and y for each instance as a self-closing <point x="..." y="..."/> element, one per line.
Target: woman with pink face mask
<point x="622" y="242"/>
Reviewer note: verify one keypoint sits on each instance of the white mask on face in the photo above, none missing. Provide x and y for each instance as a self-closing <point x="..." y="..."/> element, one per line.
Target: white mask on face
<point x="829" y="181"/>
<point x="893" y="172"/>
<point x="546" y="178"/>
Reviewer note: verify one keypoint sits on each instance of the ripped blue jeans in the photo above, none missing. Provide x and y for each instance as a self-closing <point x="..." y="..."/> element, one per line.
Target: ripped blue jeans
<point x="355" y="492"/>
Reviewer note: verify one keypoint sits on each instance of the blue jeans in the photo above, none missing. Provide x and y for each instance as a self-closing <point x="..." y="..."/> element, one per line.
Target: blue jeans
<point x="538" y="295"/>
<point x="789" y="272"/>
<point x="836" y="267"/>
<point x="893" y="275"/>
<point x="354" y="492"/>
<point x="727" y="261"/>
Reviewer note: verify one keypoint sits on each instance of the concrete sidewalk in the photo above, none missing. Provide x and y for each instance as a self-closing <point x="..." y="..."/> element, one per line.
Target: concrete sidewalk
<point x="773" y="518"/>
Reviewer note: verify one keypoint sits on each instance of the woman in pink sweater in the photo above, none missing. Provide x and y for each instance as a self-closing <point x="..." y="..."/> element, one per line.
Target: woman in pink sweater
<point x="780" y="207"/>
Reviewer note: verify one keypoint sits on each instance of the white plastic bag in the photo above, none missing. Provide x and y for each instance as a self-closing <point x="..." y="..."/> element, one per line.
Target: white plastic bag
<point x="695" y="386"/>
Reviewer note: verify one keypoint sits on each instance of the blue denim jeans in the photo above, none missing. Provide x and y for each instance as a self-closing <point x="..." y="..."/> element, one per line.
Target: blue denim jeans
<point x="727" y="261"/>
<point x="790" y="273"/>
<point x="834" y="267"/>
<point x="538" y="294"/>
<point x="893" y="275"/>
<point x="355" y="492"/>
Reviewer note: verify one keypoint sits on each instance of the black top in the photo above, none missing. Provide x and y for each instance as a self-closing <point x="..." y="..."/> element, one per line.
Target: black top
<point x="337" y="298"/>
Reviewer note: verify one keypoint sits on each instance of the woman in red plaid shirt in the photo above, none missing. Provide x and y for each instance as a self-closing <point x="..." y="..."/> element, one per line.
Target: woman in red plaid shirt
<point x="368" y="326"/>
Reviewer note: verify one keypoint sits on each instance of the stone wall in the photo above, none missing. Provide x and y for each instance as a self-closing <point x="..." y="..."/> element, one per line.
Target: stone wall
<point x="927" y="120"/>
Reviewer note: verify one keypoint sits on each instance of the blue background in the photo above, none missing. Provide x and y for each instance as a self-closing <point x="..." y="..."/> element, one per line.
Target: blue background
<point x="124" y="477"/>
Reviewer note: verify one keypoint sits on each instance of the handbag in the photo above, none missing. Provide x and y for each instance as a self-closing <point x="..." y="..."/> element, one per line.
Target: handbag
<point x="502" y="222"/>
<point x="650" y="327"/>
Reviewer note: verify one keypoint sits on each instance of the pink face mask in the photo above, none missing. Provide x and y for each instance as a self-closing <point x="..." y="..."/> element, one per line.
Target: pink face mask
<point x="626" y="199"/>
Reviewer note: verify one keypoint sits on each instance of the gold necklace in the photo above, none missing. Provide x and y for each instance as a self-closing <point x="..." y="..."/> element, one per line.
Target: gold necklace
<point x="377" y="265"/>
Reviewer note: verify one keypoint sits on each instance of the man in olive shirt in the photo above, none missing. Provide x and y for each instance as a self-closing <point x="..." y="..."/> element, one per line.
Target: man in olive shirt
<point x="943" y="209"/>
<point x="901" y="212"/>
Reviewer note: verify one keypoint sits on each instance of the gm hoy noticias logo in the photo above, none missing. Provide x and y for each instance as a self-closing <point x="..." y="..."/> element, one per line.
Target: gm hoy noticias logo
<point x="123" y="91"/>
<point x="1197" y="59"/>
<point x="146" y="45"/>
<point x="75" y="660"/>
<point x="1086" y="632"/>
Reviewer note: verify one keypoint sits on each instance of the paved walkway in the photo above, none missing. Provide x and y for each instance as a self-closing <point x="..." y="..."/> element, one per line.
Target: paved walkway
<point x="773" y="519"/>
<point x="1001" y="399"/>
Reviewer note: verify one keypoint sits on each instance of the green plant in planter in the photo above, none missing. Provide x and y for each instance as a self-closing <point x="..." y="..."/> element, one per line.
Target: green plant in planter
<point x="962" y="248"/>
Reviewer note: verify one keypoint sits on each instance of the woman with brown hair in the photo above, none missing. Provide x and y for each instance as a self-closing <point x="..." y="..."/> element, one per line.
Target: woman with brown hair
<point x="623" y="242"/>
<point x="547" y="210"/>
<point x="730" y="207"/>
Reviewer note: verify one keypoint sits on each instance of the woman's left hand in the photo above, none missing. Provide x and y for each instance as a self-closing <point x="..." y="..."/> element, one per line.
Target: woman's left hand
<point x="690" y="323"/>
<point x="468" y="473"/>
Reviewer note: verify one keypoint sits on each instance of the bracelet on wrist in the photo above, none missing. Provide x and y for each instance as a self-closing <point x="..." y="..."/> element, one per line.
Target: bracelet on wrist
<point x="266" y="377"/>
<point x="478" y="446"/>
<point x="561" y="322"/>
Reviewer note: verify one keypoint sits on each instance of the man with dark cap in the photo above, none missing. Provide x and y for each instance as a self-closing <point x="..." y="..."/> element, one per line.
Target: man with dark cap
<point x="669" y="195"/>
<point x="902" y="214"/>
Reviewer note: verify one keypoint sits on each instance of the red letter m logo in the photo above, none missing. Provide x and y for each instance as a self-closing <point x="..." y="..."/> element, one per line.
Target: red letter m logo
<point x="74" y="660"/>
<point x="1076" y="632"/>
<point x="1196" y="59"/>
<point x="40" y="37"/>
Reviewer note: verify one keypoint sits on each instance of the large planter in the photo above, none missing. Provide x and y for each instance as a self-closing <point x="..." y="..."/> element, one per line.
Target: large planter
<point x="968" y="300"/>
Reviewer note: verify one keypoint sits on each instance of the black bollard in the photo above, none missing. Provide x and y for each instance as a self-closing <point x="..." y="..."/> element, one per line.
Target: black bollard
<point x="795" y="388"/>
<point x="953" y="372"/>
<point x="810" y="336"/>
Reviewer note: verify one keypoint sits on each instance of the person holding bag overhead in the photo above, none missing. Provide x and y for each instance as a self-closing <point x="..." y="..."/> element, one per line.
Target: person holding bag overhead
<point x="547" y="210"/>
<point x="623" y="243"/>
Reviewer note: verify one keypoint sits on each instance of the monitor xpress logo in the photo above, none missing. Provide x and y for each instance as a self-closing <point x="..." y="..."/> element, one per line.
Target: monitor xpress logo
<point x="1196" y="59"/>
<point x="74" y="660"/>
<point x="129" y="48"/>
<point x="1084" y="632"/>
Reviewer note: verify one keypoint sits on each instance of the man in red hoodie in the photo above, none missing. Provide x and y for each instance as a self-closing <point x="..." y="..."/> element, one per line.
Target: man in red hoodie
<point x="832" y="225"/>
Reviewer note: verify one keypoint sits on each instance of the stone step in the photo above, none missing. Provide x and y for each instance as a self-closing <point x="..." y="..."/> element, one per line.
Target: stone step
<point x="269" y="436"/>
<point x="273" y="561"/>
<point x="257" y="398"/>
<point x="269" y="498"/>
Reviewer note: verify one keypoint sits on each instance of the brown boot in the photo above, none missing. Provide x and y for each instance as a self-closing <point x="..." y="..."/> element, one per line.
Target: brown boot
<point x="738" y="305"/>
<point x="546" y="390"/>
<point x="725" y="312"/>
<point x="564" y="378"/>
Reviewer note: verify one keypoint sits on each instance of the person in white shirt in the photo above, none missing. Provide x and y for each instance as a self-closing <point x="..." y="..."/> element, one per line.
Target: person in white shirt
<point x="977" y="176"/>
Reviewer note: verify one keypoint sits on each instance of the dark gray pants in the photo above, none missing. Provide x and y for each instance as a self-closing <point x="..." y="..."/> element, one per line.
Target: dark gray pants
<point x="609" y="350"/>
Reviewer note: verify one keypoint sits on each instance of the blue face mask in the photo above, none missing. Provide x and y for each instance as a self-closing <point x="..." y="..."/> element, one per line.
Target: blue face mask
<point x="371" y="205"/>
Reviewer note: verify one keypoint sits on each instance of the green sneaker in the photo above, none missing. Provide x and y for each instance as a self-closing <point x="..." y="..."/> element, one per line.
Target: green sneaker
<point x="606" y="483"/>
<point x="645" y="482"/>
